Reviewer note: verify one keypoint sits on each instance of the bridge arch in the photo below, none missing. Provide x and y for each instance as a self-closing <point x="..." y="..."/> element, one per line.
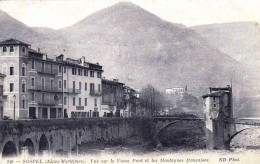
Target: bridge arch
<point x="44" y="145"/>
<point x="181" y="132"/>
<point x="27" y="147"/>
<point x="231" y="138"/>
<point x="9" y="149"/>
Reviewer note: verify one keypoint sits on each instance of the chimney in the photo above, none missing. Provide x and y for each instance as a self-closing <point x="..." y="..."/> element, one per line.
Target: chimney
<point x="44" y="56"/>
<point x="97" y="63"/>
<point x="60" y="57"/>
<point x="39" y="50"/>
<point x="115" y="80"/>
<point x="82" y="60"/>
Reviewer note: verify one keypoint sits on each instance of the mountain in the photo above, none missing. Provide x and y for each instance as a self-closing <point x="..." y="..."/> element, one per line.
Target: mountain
<point x="239" y="39"/>
<point x="137" y="47"/>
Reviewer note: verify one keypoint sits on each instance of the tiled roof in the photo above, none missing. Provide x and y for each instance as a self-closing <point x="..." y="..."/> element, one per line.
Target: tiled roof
<point x="13" y="42"/>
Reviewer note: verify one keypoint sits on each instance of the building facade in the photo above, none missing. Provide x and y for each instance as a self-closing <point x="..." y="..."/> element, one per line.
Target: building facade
<point x="40" y="87"/>
<point x="2" y="96"/>
<point x="81" y="87"/>
<point x="44" y="86"/>
<point x="131" y="103"/>
<point x="112" y="98"/>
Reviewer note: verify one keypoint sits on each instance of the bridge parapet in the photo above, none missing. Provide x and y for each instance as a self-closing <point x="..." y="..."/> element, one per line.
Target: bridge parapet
<point x="66" y="134"/>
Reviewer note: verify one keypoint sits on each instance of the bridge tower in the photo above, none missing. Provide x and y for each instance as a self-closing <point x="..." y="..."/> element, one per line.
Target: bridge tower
<point x="218" y="111"/>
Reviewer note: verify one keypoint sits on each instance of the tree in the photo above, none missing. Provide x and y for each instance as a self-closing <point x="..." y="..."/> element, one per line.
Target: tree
<point x="151" y="99"/>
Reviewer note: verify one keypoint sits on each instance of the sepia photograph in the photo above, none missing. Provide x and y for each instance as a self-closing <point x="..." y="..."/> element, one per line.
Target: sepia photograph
<point x="129" y="81"/>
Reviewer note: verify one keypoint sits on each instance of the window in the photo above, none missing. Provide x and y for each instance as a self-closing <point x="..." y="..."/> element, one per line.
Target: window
<point x="51" y="68"/>
<point x="98" y="74"/>
<point x="23" y="86"/>
<point x="23" y="102"/>
<point x="95" y="102"/>
<point x="32" y="64"/>
<point x="43" y="95"/>
<point x="32" y="96"/>
<point x="91" y="73"/>
<point x="86" y="101"/>
<point x="11" y="87"/>
<point x="99" y="87"/>
<point x="65" y="101"/>
<point x="4" y="49"/>
<point x="23" y="50"/>
<point x="79" y="85"/>
<point x="12" y="49"/>
<point x="51" y="84"/>
<point x="85" y="72"/>
<point x="92" y="88"/>
<point x="11" y="70"/>
<point x="23" y="69"/>
<point x="32" y="82"/>
<point x="43" y="66"/>
<point x="65" y="84"/>
<point x="215" y="105"/>
<point x="60" y="84"/>
<point x="74" y="72"/>
<point x="79" y="101"/>
<point x="64" y="69"/>
<point x="80" y="72"/>
<point x="86" y="86"/>
<point x="73" y="101"/>
<point x="43" y="83"/>
<point x="60" y="69"/>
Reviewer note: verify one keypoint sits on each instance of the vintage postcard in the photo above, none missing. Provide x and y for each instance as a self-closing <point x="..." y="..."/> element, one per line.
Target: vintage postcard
<point x="129" y="82"/>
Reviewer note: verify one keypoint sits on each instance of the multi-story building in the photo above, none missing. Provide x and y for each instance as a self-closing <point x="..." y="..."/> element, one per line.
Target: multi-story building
<point x="112" y="98"/>
<point x="131" y="103"/>
<point x="42" y="87"/>
<point x="2" y="97"/>
<point x="81" y="87"/>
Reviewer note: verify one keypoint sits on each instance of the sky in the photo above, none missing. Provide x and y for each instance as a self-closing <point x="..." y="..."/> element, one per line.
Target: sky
<point x="57" y="14"/>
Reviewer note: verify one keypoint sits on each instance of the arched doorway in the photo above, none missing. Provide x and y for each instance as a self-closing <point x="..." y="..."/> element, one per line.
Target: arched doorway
<point x="43" y="145"/>
<point x="9" y="149"/>
<point x="27" y="148"/>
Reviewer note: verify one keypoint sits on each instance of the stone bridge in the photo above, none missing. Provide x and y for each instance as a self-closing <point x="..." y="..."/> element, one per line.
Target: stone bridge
<point x="233" y="126"/>
<point x="65" y="135"/>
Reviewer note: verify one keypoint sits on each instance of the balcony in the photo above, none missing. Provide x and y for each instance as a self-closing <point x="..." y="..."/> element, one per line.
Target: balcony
<point x="72" y="90"/>
<point x="48" y="102"/>
<point x="45" y="89"/>
<point x="112" y="103"/>
<point x="95" y="93"/>
<point x="48" y="71"/>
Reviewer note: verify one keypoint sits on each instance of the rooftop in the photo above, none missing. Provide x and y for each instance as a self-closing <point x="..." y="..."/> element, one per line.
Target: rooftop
<point x="112" y="81"/>
<point x="12" y="41"/>
<point x="215" y="94"/>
